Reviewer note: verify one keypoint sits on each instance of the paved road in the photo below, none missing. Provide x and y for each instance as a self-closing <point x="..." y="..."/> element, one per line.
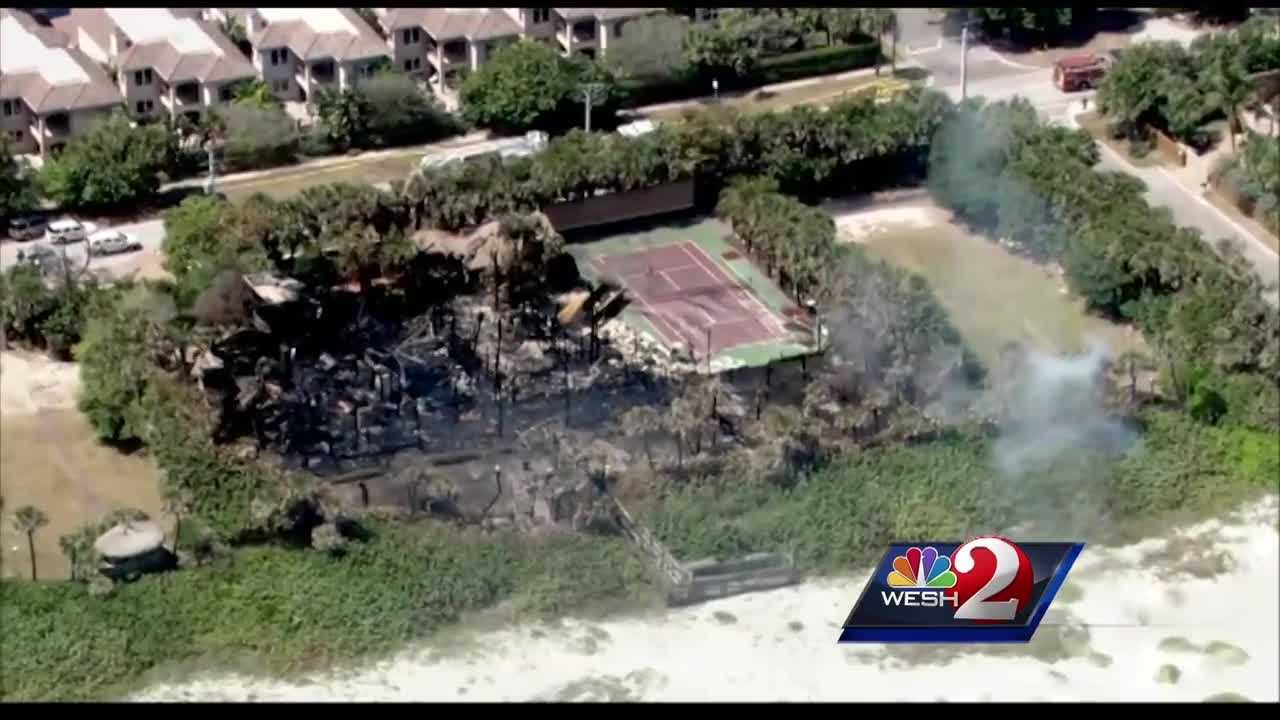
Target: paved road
<point x="150" y="233"/>
<point x="995" y="79"/>
<point x="1192" y="210"/>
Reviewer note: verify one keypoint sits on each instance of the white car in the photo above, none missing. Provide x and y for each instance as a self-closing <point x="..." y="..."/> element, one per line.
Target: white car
<point x="62" y="232"/>
<point x="112" y="242"/>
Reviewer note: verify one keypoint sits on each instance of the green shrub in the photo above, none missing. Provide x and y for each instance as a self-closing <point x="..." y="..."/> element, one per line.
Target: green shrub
<point x="842" y="516"/>
<point x="819" y="61"/>
<point x="292" y="611"/>
<point x="687" y="82"/>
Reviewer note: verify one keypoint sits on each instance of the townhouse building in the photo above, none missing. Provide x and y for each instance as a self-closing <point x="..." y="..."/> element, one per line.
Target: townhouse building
<point x="167" y="62"/>
<point x="300" y="51"/>
<point x="442" y="45"/>
<point x="48" y="92"/>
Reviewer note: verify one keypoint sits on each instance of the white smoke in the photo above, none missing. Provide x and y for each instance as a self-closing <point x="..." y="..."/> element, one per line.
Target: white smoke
<point x="1057" y="408"/>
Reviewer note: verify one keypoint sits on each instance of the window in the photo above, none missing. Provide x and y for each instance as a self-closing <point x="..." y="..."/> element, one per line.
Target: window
<point x="142" y="77"/>
<point x="411" y="64"/>
<point x="280" y="85"/>
<point x="17" y="136"/>
<point x="8" y="107"/>
<point x="224" y="93"/>
<point x="541" y="15"/>
<point x="411" y="36"/>
<point x="278" y="56"/>
<point x="145" y="106"/>
<point x="617" y="29"/>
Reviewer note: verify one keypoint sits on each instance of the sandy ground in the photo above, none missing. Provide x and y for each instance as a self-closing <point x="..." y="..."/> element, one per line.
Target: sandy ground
<point x="50" y="458"/>
<point x="859" y="220"/>
<point x="1122" y="615"/>
<point x="30" y="383"/>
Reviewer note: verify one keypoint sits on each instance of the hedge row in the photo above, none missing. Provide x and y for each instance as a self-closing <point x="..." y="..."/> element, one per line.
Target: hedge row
<point x="685" y="84"/>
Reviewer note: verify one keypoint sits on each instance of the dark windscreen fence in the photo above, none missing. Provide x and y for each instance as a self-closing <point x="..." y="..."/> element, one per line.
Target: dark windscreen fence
<point x="621" y="206"/>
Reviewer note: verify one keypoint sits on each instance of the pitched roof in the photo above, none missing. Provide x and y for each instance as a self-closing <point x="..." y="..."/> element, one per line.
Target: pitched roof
<point x="176" y="43"/>
<point x="318" y="33"/>
<point x="444" y="24"/>
<point x="48" y="77"/>
<point x="603" y="14"/>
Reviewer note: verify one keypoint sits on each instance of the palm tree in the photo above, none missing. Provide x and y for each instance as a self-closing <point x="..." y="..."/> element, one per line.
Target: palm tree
<point x="177" y="502"/>
<point x="27" y="520"/>
<point x="641" y="421"/>
<point x="1229" y="88"/>
<point x="683" y="418"/>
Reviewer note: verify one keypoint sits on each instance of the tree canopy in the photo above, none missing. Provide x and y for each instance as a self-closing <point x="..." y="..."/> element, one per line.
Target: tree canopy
<point x="528" y="85"/>
<point x="113" y="163"/>
<point x="17" y="184"/>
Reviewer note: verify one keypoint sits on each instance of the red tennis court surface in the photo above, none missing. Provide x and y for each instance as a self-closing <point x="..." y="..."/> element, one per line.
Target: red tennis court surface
<point x="683" y="293"/>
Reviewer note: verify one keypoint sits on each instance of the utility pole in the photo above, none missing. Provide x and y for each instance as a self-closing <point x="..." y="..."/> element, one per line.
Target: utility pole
<point x="592" y="93"/>
<point x="964" y="61"/>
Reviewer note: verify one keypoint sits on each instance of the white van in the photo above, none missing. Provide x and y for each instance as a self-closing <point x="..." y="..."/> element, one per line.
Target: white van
<point x="62" y="232"/>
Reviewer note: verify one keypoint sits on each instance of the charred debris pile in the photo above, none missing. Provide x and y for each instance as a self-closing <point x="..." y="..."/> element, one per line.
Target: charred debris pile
<point x="336" y="382"/>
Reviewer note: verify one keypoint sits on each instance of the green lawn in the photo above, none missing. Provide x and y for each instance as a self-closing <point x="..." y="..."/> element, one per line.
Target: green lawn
<point x="995" y="297"/>
<point x="823" y="92"/>
<point x="289" y="181"/>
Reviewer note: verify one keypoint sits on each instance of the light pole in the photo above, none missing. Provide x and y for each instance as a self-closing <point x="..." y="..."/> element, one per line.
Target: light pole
<point x="211" y="147"/>
<point x="964" y="61"/>
<point x="592" y="93"/>
<point x="715" y="88"/>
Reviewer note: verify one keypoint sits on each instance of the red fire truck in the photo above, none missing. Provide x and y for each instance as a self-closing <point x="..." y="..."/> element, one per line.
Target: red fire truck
<point x="1079" y="72"/>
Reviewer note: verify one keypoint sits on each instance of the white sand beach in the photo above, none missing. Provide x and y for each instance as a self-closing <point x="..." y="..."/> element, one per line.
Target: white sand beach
<point x="1202" y="601"/>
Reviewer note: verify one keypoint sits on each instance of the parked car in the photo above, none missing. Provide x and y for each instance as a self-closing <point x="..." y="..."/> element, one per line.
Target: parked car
<point x="27" y="228"/>
<point x="42" y="257"/>
<point x="62" y="232"/>
<point x="112" y="242"/>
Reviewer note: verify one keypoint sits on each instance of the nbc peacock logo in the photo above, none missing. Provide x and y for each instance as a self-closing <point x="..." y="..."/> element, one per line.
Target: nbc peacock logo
<point x="984" y="589"/>
<point x="922" y="568"/>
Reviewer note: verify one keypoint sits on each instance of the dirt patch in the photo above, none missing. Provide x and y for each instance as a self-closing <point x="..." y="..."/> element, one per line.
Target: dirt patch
<point x="50" y="458"/>
<point x="31" y="383"/>
<point x="731" y="255"/>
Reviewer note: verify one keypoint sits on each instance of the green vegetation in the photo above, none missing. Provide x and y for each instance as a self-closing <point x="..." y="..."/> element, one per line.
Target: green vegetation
<point x="50" y="316"/>
<point x="863" y="500"/>
<point x="1253" y="179"/>
<point x="1180" y="90"/>
<point x="255" y="135"/>
<point x="1217" y="340"/>
<point x="113" y="164"/>
<point x="1033" y="25"/>
<point x="529" y="85"/>
<point x="856" y="144"/>
<point x="294" y="611"/>
<point x="386" y="110"/>
<point x="749" y="47"/>
<point x="17" y="190"/>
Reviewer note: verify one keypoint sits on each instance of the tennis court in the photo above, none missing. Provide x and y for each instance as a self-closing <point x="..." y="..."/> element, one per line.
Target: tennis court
<point x="692" y="291"/>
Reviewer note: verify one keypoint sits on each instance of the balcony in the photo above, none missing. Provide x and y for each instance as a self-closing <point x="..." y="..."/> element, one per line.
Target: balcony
<point x="185" y="96"/>
<point x="450" y="56"/>
<point x="577" y="35"/>
<point x="57" y="126"/>
<point x="317" y="75"/>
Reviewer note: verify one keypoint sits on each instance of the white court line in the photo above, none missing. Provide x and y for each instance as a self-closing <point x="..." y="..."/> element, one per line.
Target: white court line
<point x="767" y="312"/>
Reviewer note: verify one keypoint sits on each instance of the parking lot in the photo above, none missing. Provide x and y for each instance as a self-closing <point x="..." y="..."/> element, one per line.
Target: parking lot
<point x="146" y="261"/>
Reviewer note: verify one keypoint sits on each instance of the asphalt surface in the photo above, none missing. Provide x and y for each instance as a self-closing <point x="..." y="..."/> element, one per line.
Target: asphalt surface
<point x="920" y="35"/>
<point x="994" y="78"/>
<point x="150" y="233"/>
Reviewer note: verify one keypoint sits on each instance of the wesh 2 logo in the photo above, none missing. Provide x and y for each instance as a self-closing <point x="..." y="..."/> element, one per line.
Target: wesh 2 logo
<point x="988" y="589"/>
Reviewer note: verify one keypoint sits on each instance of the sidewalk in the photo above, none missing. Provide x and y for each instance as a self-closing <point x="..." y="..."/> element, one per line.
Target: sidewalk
<point x="1190" y="209"/>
